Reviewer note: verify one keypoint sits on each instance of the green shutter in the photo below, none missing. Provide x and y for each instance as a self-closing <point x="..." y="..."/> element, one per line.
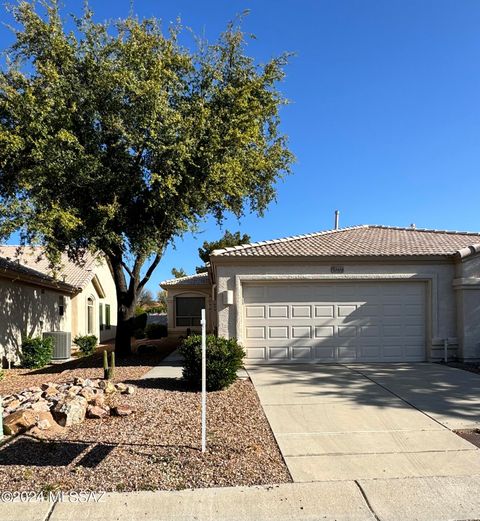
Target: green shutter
<point x="107" y="316"/>
<point x="100" y="316"/>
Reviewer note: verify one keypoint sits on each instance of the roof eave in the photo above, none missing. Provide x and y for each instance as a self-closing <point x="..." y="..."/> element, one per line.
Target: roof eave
<point x="232" y="259"/>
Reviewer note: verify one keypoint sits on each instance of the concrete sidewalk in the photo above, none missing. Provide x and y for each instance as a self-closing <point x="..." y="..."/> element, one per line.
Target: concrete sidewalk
<point x="171" y="367"/>
<point x="411" y="499"/>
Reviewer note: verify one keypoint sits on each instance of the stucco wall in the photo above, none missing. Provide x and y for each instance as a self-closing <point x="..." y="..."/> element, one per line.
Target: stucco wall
<point x="79" y="323"/>
<point x="441" y="298"/>
<point x="467" y="285"/>
<point x="28" y="310"/>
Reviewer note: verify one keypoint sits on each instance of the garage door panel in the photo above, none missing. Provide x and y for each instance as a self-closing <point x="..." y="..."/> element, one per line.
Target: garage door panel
<point x="255" y="311"/>
<point x="335" y="321"/>
<point x="256" y="353"/>
<point x="346" y="310"/>
<point x="278" y="332"/>
<point x="278" y="311"/>
<point x="324" y="311"/>
<point x="347" y="331"/>
<point x="300" y="353"/>
<point x="325" y="354"/>
<point x="301" y="332"/>
<point x="324" y="331"/>
<point x="255" y="332"/>
<point x="278" y="353"/>
<point x="301" y="311"/>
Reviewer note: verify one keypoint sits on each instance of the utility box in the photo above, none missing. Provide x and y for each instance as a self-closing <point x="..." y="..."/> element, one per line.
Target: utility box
<point x="62" y="344"/>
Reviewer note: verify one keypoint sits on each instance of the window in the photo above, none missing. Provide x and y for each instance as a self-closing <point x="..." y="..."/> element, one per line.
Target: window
<point x="107" y="317"/>
<point x="100" y="316"/>
<point x="61" y="305"/>
<point x="188" y="311"/>
<point x="90" y="315"/>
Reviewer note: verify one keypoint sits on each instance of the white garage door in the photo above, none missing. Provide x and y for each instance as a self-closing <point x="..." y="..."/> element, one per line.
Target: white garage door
<point x="329" y="322"/>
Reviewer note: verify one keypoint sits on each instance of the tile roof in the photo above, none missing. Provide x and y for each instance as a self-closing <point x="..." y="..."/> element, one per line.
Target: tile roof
<point x="360" y="241"/>
<point x="33" y="258"/>
<point x="199" y="279"/>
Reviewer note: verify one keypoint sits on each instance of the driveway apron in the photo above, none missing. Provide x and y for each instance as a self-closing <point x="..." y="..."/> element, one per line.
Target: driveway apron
<point x="336" y="422"/>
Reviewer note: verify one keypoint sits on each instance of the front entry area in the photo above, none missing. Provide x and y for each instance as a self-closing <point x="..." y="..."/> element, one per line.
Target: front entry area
<point x="334" y="321"/>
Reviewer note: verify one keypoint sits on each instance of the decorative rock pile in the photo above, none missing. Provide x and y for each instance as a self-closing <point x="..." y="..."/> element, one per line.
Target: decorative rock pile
<point x="52" y="406"/>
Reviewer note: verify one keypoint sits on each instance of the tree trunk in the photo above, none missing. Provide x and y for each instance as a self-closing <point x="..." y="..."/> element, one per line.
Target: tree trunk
<point x="126" y="301"/>
<point x="127" y="294"/>
<point x="123" y="337"/>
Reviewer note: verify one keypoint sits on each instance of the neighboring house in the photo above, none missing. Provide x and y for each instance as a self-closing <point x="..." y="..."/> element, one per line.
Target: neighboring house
<point x="365" y="293"/>
<point x="79" y="299"/>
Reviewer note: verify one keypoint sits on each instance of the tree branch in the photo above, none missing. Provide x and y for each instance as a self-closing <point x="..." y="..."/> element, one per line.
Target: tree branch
<point x="150" y="270"/>
<point x="127" y="269"/>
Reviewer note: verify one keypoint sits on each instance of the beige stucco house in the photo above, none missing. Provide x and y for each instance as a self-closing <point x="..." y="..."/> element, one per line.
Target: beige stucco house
<point x="365" y="293"/>
<point x="79" y="299"/>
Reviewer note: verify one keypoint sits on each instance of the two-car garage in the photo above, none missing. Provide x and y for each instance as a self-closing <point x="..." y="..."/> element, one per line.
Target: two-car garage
<point x="374" y="321"/>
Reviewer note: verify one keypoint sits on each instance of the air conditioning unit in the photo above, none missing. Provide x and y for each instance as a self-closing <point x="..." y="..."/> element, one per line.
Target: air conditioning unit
<point x="62" y="344"/>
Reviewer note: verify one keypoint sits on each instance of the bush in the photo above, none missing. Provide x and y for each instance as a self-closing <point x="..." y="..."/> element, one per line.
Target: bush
<point x="224" y="359"/>
<point x="153" y="331"/>
<point x="139" y="324"/>
<point x="138" y="334"/>
<point x="87" y="344"/>
<point x="37" y="352"/>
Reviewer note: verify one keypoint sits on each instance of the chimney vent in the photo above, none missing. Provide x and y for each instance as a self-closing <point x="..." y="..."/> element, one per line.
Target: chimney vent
<point x="337" y="217"/>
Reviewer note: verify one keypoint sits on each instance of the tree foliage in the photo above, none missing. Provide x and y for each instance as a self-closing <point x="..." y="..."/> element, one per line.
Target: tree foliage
<point x="178" y="273"/>
<point x="229" y="239"/>
<point x="116" y="138"/>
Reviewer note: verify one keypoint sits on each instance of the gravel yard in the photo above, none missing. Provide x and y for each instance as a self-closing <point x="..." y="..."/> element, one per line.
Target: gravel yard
<point x="157" y="447"/>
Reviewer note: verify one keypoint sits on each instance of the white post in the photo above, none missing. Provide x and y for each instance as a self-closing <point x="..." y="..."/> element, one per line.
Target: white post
<point x="204" y="382"/>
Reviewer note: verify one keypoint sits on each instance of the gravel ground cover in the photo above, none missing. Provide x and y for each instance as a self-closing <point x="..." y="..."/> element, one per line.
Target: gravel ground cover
<point x="157" y="447"/>
<point x="471" y="435"/>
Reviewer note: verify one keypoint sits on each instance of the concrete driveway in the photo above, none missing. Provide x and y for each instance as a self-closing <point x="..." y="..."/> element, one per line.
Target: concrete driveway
<point x="349" y="422"/>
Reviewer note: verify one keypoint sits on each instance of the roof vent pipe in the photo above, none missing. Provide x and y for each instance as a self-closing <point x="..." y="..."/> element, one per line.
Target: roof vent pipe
<point x="337" y="216"/>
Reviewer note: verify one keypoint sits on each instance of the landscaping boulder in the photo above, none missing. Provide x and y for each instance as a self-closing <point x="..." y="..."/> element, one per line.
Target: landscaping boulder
<point x="41" y="405"/>
<point x="88" y="393"/>
<point x="70" y="411"/>
<point x="96" y="412"/>
<point x="121" y="410"/>
<point x="107" y="386"/>
<point x="99" y="399"/>
<point x="45" y="420"/>
<point x="129" y="390"/>
<point x="121" y="387"/>
<point x="19" y="421"/>
<point x="49" y="390"/>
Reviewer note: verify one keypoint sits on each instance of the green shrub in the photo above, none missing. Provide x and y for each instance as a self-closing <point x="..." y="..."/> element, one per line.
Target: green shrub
<point x="154" y="331"/>
<point x="87" y="344"/>
<point x="37" y="352"/>
<point x="224" y="359"/>
<point x="140" y="321"/>
<point x="139" y="334"/>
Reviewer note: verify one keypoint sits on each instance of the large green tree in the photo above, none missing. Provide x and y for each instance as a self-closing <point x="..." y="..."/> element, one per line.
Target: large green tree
<point x="228" y="239"/>
<point x="117" y="138"/>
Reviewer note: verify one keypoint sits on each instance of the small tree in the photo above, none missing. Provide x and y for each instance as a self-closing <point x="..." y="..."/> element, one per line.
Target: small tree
<point x="228" y="239"/>
<point x="116" y="138"/>
<point x="145" y="298"/>
<point x="178" y="273"/>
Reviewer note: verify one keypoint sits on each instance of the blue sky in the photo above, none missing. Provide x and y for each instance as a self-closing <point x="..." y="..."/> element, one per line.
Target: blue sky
<point x="384" y="117"/>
